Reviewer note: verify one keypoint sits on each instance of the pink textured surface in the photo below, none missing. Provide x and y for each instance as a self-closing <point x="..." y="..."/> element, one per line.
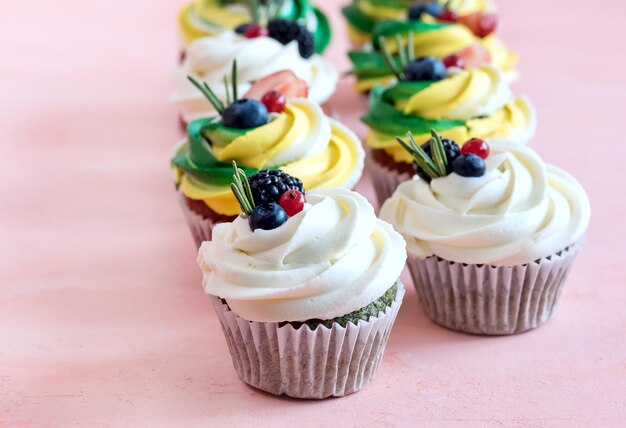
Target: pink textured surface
<point x="102" y="318"/>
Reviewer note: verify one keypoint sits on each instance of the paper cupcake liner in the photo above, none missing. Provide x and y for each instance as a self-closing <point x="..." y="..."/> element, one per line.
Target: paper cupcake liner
<point x="385" y="180"/>
<point x="303" y="363"/>
<point x="201" y="227"/>
<point x="491" y="300"/>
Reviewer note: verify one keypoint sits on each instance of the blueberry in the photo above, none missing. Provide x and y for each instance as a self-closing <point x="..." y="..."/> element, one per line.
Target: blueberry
<point x="267" y="217"/>
<point x="469" y="165"/>
<point x="240" y="29"/>
<point x="425" y="68"/>
<point x="245" y="114"/>
<point x="432" y="8"/>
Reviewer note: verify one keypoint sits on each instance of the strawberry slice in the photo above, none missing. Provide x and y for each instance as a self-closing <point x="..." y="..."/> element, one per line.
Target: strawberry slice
<point x="285" y="82"/>
<point x="474" y="56"/>
<point x="482" y="24"/>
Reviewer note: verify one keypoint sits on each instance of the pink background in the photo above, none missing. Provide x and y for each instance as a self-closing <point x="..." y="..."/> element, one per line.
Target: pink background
<point x="102" y="318"/>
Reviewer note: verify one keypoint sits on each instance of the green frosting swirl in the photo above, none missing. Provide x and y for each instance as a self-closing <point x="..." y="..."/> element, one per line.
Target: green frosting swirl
<point x="385" y="118"/>
<point x="196" y="158"/>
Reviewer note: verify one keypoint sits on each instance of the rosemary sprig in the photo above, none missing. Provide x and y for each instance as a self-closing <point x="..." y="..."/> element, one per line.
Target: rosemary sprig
<point x="406" y="54"/>
<point x="255" y="11"/>
<point x="389" y="59"/>
<point x="241" y="189"/>
<point x="435" y="166"/>
<point x="277" y="5"/>
<point x="231" y="90"/>
<point x="439" y="153"/>
<point x="228" y="98"/>
<point x="233" y="80"/>
<point x="209" y="94"/>
<point x="410" y="48"/>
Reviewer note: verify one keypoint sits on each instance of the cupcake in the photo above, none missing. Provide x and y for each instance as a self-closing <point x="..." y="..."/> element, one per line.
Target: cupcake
<point x="202" y="18"/>
<point x="294" y="135"/>
<point x="262" y="58"/>
<point x="362" y="16"/>
<point x="491" y="232"/>
<point x="459" y="103"/>
<point x="453" y="42"/>
<point x="306" y="290"/>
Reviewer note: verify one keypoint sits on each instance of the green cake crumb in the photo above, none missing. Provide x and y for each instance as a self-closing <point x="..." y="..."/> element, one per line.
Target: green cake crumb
<point x="373" y="309"/>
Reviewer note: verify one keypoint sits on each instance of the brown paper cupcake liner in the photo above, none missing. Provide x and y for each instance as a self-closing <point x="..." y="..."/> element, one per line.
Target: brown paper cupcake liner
<point x="303" y="363"/>
<point x="385" y="178"/>
<point x="491" y="300"/>
<point x="201" y="227"/>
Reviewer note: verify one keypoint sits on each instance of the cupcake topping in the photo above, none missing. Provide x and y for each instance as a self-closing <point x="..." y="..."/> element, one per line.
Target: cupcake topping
<point x="267" y="24"/>
<point x="267" y="198"/>
<point x="482" y="24"/>
<point x="245" y="113"/>
<point x="409" y="68"/>
<point x="440" y="157"/>
<point x="332" y="258"/>
<point x="518" y="211"/>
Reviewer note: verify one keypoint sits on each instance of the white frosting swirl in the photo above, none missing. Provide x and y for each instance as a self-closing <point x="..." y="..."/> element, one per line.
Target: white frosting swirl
<point x="210" y="59"/>
<point x="331" y="259"/>
<point x="521" y="210"/>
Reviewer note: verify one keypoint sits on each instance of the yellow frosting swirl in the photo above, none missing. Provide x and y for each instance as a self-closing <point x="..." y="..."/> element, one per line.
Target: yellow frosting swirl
<point x="306" y="144"/>
<point x="515" y="122"/>
<point x="474" y="92"/>
<point x="453" y="38"/>
<point x="200" y="18"/>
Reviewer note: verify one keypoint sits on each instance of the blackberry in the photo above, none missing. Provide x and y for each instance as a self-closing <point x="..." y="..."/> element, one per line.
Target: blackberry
<point x="269" y="185"/>
<point x="286" y="31"/>
<point x="452" y="150"/>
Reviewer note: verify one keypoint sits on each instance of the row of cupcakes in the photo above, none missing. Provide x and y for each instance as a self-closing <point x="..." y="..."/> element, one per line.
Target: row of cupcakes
<point x="302" y="275"/>
<point x="305" y="284"/>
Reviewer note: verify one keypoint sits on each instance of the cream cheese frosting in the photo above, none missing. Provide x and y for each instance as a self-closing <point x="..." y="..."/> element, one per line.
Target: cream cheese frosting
<point x="331" y="259"/>
<point x="521" y="210"/>
<point x="209" y="59"/>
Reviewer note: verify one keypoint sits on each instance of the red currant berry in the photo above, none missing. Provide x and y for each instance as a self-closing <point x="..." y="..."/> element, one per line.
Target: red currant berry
<point x="447" y="15"/>
<point x="255" y="30"/>
<point x="274" y="101"/>
<point x="292" y="201"/>
<point x="453" y="61"/>
<point x="476" y="146"/>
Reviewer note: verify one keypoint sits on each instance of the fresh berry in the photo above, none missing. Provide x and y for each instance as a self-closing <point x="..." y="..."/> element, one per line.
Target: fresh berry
<point x="474" y="56"/>
<point x="452" y="151"/>
<point x="416" y="11"/>
<point x="255" y="30"/>
<point x="244" y="114"/>
<point x="285" y="82"/>
<point x="292" y="202"/>
<point x="448" y="15"/>
<point x="482" y="24"/>
<point x="425" y="68"/>
<point x="269" y="185"/>
<point x="267" y="217"/>
<point x="241" y="28"/>
<point x="287" y="31"/>
<point x="469" y="165"/>
<point x="274" y="101"/>
<point x="453" y="61"/>
<point x="477" y="146"/>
